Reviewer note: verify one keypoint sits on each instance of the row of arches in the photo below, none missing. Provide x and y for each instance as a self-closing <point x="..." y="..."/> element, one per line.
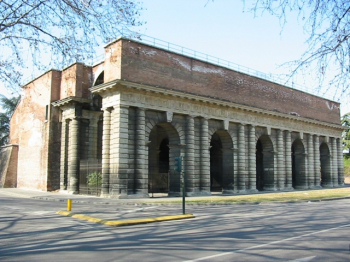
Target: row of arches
<point x="163" y="149"/>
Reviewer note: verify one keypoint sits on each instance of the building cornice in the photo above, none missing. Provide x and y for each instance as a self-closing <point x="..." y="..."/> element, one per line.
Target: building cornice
<point x="209" y="100"/>
<point x="71" y="99"/>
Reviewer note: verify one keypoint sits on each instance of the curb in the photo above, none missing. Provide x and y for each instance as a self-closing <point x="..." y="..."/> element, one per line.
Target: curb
<point x="124" y="222"/>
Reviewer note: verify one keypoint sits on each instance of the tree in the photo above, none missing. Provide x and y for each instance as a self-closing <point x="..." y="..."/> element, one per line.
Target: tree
<point x="327" y="24"/>
<point x="9" y="106"/>
<point x="39" y="34"/>
<point x="345" y="121"/>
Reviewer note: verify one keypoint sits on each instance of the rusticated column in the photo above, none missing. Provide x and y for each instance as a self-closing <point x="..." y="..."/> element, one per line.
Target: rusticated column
<point x="280" y="161"/>
<point x="141" y="170"/>
<point x="252" y="159"/>
<point x="73" y="158"/>
<point x="340" y="162"/>
<point x="334" y="162"/>
<point x="106" y="137"/>
<point x="317" y="163"/>
<point x="288" y="160"/>
<point x="64" y="155"/>
<point x="242" y="170"/>
<point x="311" y="161"/>
<point x="120" y="152"/>
<point x="205" y="158"/>
<point x="192" y="185"/>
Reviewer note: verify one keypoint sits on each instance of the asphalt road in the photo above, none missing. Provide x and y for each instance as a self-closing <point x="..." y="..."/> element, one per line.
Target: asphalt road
<point x="30" y="230"/>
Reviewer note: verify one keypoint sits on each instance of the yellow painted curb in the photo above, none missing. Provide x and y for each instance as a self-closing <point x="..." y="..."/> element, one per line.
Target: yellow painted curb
<point x="124" y="222"/>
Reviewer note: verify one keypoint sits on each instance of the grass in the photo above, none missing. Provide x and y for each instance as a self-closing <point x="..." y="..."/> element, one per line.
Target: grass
<point x="271" y="197"/>
<point x="347" y="167"/>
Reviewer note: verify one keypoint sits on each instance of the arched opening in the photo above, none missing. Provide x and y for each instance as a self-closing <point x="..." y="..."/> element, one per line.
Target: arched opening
<point x="326" y="177"/>
<point x="299" y="179"/>
<point x="221" y="162"/>
<point x="162" y="149"/>
<point x="264" y="164"/>
<point x="216" y="168"/>
<point x="99" y="79"/>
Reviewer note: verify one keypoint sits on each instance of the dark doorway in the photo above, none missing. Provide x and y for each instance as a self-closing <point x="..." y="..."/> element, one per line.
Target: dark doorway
<point x="216" y="167"/>
<point x="326" y="177"/>
<point x="164" y="156"/>
<point x="259" y="166"/>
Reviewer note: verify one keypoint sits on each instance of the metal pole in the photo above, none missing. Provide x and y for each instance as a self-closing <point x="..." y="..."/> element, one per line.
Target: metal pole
<point x="183" y="186"/>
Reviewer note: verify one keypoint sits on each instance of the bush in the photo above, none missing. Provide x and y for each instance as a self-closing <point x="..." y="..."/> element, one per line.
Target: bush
<point x="94" y="179"/>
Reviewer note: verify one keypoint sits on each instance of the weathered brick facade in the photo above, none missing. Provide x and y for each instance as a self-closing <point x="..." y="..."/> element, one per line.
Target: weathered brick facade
<point x="130" y="115"/>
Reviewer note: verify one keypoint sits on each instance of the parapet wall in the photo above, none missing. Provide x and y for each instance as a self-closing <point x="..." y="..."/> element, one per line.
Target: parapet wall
<point x="156" y="67"/>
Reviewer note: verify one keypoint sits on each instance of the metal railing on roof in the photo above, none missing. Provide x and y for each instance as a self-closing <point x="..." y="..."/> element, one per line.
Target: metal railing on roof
<point x="158" y="43"/>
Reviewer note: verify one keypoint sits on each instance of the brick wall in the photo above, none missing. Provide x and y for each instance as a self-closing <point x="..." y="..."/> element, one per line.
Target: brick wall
<point x="148" y="65"/>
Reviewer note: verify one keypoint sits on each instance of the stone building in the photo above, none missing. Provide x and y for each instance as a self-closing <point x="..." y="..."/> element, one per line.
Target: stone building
<point x="133" y="113"/>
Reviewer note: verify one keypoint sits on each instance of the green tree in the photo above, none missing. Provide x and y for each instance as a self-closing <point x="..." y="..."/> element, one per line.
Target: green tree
<point x="345" y="121"/>
<point x="38" y="34"/>
<point x="327" y="24"/>
<point x="8" y="106"/>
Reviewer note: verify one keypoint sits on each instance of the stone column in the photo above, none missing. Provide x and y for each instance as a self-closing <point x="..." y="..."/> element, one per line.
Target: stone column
<point x="334" y="162"/>
<point x="64" y="156"/>
<point x="340" y="162"/>
<point x="288" y="160"/>
<point x="119" y="152"/>
<point x="280" y="161"/>
<point x="317" y="163"/>
<point x="141" y="151"/>
<point x="242" y="169"/>
<point x="311" y="162"/>
<point x="192" y="185"/>
<point x="252" y="160"/>
<point x="106" y="136"/>
<point x="205" y="158"/>
<point x="73" y="157"/>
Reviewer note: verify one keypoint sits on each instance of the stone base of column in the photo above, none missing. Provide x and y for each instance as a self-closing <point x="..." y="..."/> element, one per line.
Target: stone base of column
<point x="137" y="195"/>
<point x="287" y="189"/>
<point x="252" y="191"/>
<point x="105" y="195"/>
<point x="341" y="184"/>
<point x="242" y="191"/>
<point x="198" y="193"/>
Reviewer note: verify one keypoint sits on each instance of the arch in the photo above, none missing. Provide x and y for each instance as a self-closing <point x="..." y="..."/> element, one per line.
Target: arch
<point x="100" y="79"/>
<point x="221" y="162"/>
<point x="299" y="179"/>
<point x="163" y="147"/>
<point x="265" y="164"/>
<point x="325" y="159"/>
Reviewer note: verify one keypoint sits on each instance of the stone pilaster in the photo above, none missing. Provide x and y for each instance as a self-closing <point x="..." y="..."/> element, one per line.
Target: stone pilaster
<point x="205" y="158"/>
<point x="106" y="137"/>
<point x="334" y="162"/>
<point x="317" y="163"/>
<point x="252" y="160"/>
<point x="340" y="162"/>
<point x="280" y="161"/>
<point x="288" y="161"/>
<point x="64" y="155"/>
<point x="242" y="169"/>
<point x="141" y="152"/>
<point x="119" y="161"/>
<point x="311" y="161"/>
<point x="192" y="182"/>
<point x="73" y="157"/>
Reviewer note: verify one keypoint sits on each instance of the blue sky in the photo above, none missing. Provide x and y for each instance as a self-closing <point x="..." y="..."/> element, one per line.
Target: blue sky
<point x="224" y="29"/>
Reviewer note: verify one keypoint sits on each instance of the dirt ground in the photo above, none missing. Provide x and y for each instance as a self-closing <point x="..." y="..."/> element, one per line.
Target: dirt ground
<point x="347" y="180"/>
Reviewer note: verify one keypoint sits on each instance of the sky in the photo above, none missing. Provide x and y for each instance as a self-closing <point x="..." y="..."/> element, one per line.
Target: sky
<point x="227" y="30"/>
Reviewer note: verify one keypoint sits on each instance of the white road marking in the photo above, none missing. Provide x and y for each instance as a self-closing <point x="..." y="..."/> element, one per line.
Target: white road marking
<point x="267" y="244"/>
<point x="305" y="259"/>
<point x="138" y="209"/>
